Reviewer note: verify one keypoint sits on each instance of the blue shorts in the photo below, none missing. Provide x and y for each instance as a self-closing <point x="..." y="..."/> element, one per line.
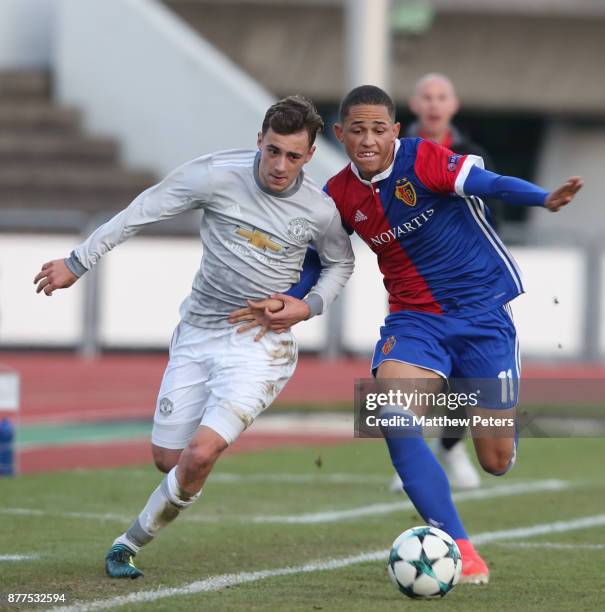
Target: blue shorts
<point x="473" y="352"/>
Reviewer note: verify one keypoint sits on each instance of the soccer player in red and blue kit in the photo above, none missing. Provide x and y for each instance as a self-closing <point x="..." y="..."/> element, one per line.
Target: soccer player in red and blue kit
<point x="418" y="206"/>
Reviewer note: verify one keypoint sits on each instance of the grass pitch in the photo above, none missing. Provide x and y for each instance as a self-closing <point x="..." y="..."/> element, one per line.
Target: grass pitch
<point x="69" y="519"/>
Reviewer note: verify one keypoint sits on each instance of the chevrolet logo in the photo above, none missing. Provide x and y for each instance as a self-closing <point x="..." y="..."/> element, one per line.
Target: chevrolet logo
<point x="259" y="240"/>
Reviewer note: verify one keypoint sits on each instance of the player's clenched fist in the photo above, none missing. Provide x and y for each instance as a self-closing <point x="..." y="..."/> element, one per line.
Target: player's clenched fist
<point x="54" y="275"/>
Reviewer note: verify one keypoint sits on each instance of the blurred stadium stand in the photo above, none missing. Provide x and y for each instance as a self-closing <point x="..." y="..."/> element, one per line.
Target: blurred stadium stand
<point x="98" y="98"/>
<point x="509" y="55"/>
<point x="528" y="73"/>
<point x="46" y="161"/>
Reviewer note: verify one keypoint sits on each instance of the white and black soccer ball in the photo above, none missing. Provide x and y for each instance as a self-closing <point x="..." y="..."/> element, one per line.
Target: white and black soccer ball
<point x="424" y="562"/>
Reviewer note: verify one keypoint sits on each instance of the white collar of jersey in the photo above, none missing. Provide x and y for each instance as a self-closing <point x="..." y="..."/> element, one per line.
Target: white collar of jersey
<point x="384" y="174"/>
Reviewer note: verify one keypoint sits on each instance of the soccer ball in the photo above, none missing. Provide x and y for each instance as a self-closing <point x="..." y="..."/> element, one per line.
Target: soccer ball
<point x="424" y="562"/>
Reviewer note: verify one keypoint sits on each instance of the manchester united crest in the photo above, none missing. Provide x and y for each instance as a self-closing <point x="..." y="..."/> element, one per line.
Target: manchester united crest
<point x="404" y="191"/>
<point x="298" y="229"/>
<point x="387" y="347"/>
<point x="166" y="406"/>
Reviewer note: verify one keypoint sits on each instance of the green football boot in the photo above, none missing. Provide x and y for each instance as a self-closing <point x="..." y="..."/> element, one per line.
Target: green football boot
<point x="119" y="564"/>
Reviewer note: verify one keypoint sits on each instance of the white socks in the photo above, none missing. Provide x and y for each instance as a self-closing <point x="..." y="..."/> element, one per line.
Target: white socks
<point x="162" y="507"/>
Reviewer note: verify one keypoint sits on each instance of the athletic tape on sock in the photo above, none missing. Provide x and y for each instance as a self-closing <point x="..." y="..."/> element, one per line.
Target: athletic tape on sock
<point x="175" y="493"/>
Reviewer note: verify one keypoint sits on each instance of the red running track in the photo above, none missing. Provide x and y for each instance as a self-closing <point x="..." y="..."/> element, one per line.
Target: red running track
<point x="63" y="387"/>
<point x="138" y="452"/>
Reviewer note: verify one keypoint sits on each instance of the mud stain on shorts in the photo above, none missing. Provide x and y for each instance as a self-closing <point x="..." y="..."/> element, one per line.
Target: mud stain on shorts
<point x="244" y="417"/>
<point x="286" y="351"/>
<point x="271" y="390"/>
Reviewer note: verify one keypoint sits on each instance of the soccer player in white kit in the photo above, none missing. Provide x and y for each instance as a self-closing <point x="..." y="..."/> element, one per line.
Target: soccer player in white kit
<point x="260" y="214"/>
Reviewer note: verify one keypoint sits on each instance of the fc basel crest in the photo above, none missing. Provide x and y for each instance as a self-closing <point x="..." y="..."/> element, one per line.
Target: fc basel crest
<point x="404" y="191"/>
<point x="387" y="347"/>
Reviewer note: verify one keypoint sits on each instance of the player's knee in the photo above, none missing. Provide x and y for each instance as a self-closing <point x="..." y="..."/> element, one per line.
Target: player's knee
<point x="497" y="463"/>
<point x="165" y="458"/>
<point x="164" y="464"/>
<point x="202" y="457"/>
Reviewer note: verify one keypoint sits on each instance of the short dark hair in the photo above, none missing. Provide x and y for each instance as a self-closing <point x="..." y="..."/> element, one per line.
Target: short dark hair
<point x="293" y="114"/>
<point x="366" y="94"/>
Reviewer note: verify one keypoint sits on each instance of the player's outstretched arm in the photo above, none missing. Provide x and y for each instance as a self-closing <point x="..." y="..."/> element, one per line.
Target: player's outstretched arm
<point x="562" y="196"/>
<point x="516" y="191"/>
<point x="186" y="188"/>
<point x="54" y="275"/>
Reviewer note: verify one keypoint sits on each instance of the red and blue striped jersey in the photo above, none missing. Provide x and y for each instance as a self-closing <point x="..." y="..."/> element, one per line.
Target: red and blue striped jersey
<point x="436" y="249"/>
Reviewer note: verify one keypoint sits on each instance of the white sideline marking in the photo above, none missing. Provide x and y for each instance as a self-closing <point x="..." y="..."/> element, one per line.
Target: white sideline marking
<point x="78" y="515"/>
<point x="528" y="532"/>
<point x="318" y="517"/>
<point x="217" y="583"/>
<point x="301" y="478"/>
<point x="552" y="545"/>
<point x="376" y="509"/>
<point x="18" y="557"/>
<point x="108" y="516"/>
<point x="287" y="478"/>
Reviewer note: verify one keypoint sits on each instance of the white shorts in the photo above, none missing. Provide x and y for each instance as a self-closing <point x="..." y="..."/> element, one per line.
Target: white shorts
<point x="220" y="379"/>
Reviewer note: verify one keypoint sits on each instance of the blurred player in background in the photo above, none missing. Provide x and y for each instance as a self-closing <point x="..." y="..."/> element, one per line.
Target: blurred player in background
<point x="417" y="205"/>
<point x="435" y="104"/>
<point x="260" y="215"/>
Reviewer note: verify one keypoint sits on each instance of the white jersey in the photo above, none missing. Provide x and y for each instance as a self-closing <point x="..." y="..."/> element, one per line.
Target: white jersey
<point x="254" y="241"/>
